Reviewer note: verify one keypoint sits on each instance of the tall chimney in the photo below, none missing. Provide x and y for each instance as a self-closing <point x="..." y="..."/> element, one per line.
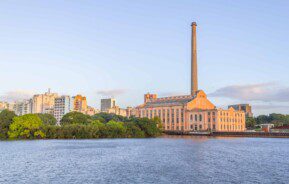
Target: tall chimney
<point x="194" y="66"/>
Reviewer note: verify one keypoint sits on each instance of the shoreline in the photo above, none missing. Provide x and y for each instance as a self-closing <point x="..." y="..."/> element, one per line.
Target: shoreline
<point x="231" y="134"/>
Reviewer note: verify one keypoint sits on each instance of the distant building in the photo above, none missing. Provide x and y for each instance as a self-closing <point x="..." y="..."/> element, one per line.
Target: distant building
<point x="266" y="127"/>
<point x="107" y="104"/>
<point x="129" y="112"/>
<point x="43" y="103"/>
<point x="91" y="111"/>
<point x="282" y="129"/>
<point x="190" y="113"/>
<point x="117" y="110"/>
<point x="63" y="105"/>
<point x="3" y="105"/>
<point x="23" y="107"/>
<point x="79" y="103"/>
<point x="243" y="107"/>
<point x="6" y="105"/>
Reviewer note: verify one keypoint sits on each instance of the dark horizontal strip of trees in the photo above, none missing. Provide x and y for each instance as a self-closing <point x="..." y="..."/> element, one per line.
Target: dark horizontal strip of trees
<point x="76" y="125"/>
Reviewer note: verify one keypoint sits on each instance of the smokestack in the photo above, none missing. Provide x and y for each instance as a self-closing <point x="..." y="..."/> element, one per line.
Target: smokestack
<point x="194" y="66"/>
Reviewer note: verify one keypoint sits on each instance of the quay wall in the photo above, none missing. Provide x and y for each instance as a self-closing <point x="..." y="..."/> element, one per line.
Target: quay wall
<point x="232" y="134"/>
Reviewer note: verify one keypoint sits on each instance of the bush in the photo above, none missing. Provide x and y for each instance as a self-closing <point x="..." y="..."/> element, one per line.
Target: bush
<point x="28" y="126"/>
<point x="75" y="118"/>
<point x="6" y="118"/>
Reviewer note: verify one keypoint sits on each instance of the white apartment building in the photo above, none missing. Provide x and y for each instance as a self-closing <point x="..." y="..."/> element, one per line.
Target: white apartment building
<point x="62" y="106"/>
<point x="23" y="107"/>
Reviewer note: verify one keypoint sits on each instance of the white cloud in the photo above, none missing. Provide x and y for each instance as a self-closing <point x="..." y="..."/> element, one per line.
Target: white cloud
<point x="111" y="92"/>
<point x="16" y="95"/>
<point x="264" y="92"/>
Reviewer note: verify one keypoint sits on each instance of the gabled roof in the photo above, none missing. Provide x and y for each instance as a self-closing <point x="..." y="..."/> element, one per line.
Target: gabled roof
<point x="169" y="101"/>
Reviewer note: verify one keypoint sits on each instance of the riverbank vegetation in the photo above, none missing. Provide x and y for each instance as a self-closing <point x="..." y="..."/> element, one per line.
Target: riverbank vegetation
<point x="76" y="125"/>
<point x="276" y="119"/>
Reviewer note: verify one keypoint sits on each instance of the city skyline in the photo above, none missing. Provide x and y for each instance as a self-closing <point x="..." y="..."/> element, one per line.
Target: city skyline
<point x="106" y="53"/>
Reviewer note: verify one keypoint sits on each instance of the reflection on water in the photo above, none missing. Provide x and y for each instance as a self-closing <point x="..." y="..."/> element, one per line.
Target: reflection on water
<point x="193" y="138"/>
<point x="168" y="159"/>
<point x="199" y="137"/>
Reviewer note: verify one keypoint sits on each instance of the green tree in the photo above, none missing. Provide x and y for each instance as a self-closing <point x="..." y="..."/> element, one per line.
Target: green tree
<point x="262" y="119"/>
<point x="115" y="129"/>
<point x="6" y="118"/>
<point x="28" y="126"/>
<point x="106" y="117"/>
<point x="52" y="132"/>
<point x="47" y="119"/>
<point x="250" y="122"/>
<point x="133" y="131"/>
<point x="158" y="122"/>
<point x="278" y="119"/>
<point x="148" y="126"/>
<point x="75" y="118"/>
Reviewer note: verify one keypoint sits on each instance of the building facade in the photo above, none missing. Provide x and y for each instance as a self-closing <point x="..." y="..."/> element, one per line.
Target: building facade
<point x="79" y="103"/>
<point x="243" y="107"/>
<point x="117" y="110"/>
<point x="43" y="103"/>
<point x="6" y="105"/>
<point x="23" y="107"/>
<point x="190" y="113"/>
<point x="63" y="105"/>
<point x="107" y="104"/>
<point x="91" y="111"/>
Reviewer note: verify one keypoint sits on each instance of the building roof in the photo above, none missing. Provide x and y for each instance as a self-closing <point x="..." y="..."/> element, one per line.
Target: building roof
<point x="282" y="127"/>
<point x="169" y="101"/>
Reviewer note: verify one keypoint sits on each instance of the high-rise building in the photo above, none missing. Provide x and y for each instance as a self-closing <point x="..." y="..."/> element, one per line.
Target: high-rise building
<point x="62" y="106"/>
<point x="117" y="110"/>
<point x="43" y="103"/>
<point x="23" y="107"/>
<point x="107" y="104"/>
<point x="6" y="105"/>
<point x="79" y="103"/>
<point x="192" y="112"/>
<point x="243" y="107"/>
<point x="91" y="111"/>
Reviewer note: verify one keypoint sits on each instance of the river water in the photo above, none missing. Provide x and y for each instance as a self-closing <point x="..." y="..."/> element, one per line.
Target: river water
<point x="169" y="159"/>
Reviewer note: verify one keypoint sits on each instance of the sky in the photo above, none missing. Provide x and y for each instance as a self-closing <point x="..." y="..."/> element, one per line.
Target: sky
<point x="126" y="48"/>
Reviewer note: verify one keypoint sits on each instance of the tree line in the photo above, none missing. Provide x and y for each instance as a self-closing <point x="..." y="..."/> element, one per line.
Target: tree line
<point x="276" y="119"/>
<point x="76" y="125"/>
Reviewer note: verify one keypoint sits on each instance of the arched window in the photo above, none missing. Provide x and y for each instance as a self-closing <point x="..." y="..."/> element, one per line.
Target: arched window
<point x="200" y="117"/>
<point x="191" y="117"/>
<point x="196" y="117"/>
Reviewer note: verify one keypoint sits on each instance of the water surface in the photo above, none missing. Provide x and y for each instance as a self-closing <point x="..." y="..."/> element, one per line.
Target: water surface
<point x="170" y="159"/>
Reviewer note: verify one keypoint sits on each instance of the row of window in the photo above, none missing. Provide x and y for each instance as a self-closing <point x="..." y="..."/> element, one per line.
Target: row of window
<point x="200" y="127"/>
<point x="165" y="114"/>
<point x="196" y="117"/>
<point x="231" y="127"/>
<point x="227" y="114"/>
<point x="231" y="120"/>
<point x="177" y="128"/>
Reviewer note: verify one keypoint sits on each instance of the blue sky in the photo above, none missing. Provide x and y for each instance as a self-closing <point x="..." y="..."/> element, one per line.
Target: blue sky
<point x="127" y="48"/>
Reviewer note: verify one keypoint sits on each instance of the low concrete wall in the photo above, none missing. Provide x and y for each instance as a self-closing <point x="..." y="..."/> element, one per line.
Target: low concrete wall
<point x="231" y="134"/>
<point x="251" y="134"/>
